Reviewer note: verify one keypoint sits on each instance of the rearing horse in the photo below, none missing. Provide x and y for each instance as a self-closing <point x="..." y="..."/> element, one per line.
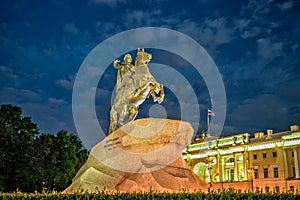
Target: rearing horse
<point x="135" y="88"/>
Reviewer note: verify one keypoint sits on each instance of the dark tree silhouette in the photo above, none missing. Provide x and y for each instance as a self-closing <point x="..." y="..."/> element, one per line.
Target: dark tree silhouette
<point x="18" y="161"/>
<point x="61" y="157"/>
<point x="32" y="162"/>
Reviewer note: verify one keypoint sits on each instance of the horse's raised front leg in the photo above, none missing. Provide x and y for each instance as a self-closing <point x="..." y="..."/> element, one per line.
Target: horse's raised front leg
<point x="157" y="88"/>
<point x="162" y="94"/>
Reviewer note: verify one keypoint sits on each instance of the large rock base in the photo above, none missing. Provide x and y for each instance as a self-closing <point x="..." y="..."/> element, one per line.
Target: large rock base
<point x="142" y="156"/>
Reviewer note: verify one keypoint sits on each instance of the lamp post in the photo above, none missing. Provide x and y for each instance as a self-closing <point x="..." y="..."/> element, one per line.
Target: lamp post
<point x="209" y="164"/>
<point x="188" y="157"/>
<point x="250" y="171"/>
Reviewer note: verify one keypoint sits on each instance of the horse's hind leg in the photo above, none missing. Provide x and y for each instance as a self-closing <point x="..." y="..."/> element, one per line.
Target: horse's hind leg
<point x="123" y="116"/>
<point x="133" y="111"/>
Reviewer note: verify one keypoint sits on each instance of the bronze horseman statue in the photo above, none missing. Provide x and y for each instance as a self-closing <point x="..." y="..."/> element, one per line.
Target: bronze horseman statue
<point x="134" y="84"/>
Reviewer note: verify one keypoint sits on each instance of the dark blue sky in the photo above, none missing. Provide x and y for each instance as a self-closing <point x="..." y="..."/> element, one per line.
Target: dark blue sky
<point x="255" y="45"/>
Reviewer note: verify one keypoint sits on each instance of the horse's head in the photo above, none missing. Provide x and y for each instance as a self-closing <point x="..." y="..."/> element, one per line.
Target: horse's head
<point x="142" y="57"/>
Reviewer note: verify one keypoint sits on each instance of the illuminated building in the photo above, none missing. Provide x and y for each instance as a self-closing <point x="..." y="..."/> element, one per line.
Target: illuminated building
<point x="265" y="163"/>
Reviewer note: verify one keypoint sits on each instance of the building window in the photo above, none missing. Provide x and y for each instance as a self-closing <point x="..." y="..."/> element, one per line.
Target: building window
<point x="267" y="189"/>
<point x="264" y="155"/>
<point x="294" y="172"/>
<point x="277" y="190"/>
<point x="231" y="174"/>
<point x="254" y="156"/>
<point x="292" y="153"/>
<point x="274" y="154"/>
<point x="255" y="173"/>
<point x="266" y="173"/>
<point x="275" y="169"/>
<point x="292" y="189"/>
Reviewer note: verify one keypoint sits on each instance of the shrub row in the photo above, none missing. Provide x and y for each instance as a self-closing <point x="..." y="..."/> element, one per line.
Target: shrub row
<point x="133" y="196"/>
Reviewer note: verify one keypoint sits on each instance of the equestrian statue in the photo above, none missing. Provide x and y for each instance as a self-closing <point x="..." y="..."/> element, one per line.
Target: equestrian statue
<point x="134" y="85"/>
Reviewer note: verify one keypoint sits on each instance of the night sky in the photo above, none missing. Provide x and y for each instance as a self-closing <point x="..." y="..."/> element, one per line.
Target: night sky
<point x="254" y="44"/>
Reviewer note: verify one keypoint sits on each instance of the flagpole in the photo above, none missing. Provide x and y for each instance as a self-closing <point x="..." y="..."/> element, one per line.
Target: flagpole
<point x="209" y="113"/>
<point x="207" y="122"/>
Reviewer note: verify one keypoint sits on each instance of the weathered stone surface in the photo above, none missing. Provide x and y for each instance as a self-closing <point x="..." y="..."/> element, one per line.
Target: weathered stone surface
<point x="142" y="155"/>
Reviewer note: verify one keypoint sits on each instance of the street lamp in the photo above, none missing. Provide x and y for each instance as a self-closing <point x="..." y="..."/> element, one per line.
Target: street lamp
<point x="209" y="164"/>
<point x="188" y="157"/>
<point x="251" y="174"/>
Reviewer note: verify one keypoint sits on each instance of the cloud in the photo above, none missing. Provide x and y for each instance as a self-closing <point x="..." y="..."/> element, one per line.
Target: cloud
<point x="210" y="32"/>
<point x="111" y="3"/>
<point x="295" y="46"/>
<point x="285" y="5"/>
<point x="70" y="28"/>
<point x="251" y="33"/>
<point x="289" y="90"/>
<point x="221" y="29"/>
<point x="106" y="29"/>
<point x="102" y="27"/>
<point x="242" y="24"/>
<point x="8" y="72"/>
<point x="139" y="18"/>
<point x="258" y="113"/>
<point x="247" y="28"/>
<point x="50" y="117"/>
<point x="259" y="8"/>
<point x="14" y="95"/>
<point x="279" y="73"/>
<point x="268" y="49"/>
<point x="203" y="1"/>
<point x="230" y="130"/>
<point x="66" y="83"/>
<point x="30" y="95"/>
<point x="57" y="101"/>
<point x="258" y="19"/>
<point x="52" y="53"/>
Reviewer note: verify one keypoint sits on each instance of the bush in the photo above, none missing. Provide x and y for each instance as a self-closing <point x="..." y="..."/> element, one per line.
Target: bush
<point x="133" y="196"/>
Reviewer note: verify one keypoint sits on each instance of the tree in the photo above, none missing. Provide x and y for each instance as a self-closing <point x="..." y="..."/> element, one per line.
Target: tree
<point x="18" y="161"/>
<point x="29" y="161"/>
<point x="61" y="157"/>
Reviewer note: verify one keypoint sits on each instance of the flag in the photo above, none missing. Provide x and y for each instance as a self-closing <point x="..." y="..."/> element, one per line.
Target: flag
<point x="210" y="113"/>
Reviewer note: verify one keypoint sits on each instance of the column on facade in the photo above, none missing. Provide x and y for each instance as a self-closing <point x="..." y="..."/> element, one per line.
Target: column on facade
<point x="245" y="164"/>
<point x="286" y="172"/>
<point x="219" y="167"/>
<point x="235" y="168"/>
<point x="296" y="162"/>
<point x="223" y="169"/>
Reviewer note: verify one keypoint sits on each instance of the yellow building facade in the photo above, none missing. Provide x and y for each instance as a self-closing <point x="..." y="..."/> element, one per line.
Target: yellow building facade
<point x="267" y="162"/>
